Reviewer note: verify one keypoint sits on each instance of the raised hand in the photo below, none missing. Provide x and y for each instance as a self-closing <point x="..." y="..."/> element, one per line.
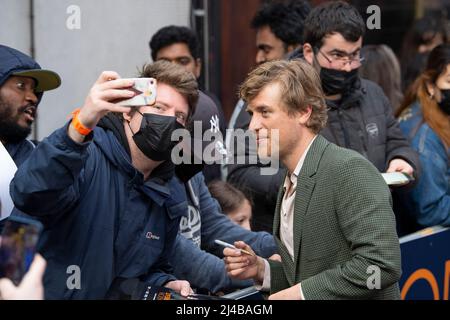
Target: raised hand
<point x="243" y="266"/>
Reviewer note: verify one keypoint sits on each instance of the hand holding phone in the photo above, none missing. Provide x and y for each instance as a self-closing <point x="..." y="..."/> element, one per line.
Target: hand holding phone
<point x="30" y="288"/>
<point x="18" y="247"/>
<point x="397" y="179"/>
<point x="145" y="89"/>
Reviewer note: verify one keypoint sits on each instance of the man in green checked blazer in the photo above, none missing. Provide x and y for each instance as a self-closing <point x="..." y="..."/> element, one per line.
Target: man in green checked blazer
<point x="333" y="222"/>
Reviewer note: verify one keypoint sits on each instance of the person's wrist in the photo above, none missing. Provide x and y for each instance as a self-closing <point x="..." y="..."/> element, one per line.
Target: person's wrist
<point x="80" y="124"/>
<point x="89" y="118"/>
<point x="260" y="269"/>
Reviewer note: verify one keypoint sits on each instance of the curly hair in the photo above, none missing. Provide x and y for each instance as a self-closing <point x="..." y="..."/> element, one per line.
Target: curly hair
<point x="169" y="35"/>
<point x="333" y="17"/>
<point x="284" y="20"/>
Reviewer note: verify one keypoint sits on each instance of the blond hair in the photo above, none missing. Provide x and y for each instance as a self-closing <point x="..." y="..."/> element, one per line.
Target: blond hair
<point x="300" y="88"/>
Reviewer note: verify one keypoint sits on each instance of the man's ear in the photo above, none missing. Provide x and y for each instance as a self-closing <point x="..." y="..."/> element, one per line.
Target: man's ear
<point x="127" y="116"/>
<point x="308" y="53"/>
<point x="198" y="68"/>
<point x="303" y="117"/>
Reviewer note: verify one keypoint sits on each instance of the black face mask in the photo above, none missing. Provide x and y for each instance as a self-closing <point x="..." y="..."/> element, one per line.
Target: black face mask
<point x="154" y="136"/>
<point x="337" y="81"/>
<point x="445" y="101"/>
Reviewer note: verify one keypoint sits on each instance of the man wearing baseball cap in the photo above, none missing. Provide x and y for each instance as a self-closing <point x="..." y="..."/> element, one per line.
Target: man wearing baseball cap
<point x="22" y="83"/>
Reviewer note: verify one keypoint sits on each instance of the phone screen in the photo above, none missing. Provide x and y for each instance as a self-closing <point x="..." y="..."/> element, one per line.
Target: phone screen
<point x="17" y="247"/>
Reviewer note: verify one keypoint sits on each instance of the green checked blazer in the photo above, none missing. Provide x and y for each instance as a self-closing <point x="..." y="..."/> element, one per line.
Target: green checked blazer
<point x="344" y="230"/>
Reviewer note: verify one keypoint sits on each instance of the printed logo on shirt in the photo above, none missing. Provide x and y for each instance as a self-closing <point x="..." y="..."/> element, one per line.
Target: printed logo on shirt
<point x="215" y="124"/>
<point x="372" y="130"/>
<point x="152" y="236"/>
<point x="190" y="226"/>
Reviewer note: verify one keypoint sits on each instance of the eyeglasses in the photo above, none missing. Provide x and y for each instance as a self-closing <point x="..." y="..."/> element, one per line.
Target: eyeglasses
<point x="340" y="60"/>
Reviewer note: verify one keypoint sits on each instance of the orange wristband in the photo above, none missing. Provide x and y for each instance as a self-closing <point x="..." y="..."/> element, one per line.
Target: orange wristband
<point x="77" y="125"/>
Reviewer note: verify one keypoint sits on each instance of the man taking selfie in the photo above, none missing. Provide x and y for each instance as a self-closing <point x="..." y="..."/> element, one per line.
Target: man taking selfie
<point x="104" y="188"/>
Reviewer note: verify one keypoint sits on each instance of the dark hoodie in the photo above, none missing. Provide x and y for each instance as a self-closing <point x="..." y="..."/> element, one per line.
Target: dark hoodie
<point x="12" y="61"/>
<point x="99" y="214"/>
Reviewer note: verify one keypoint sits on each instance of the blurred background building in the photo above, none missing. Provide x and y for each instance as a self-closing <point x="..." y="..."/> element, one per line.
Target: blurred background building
<point x="114" y="35"/>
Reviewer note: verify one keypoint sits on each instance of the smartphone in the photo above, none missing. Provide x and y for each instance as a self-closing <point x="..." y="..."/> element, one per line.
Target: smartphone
<point x="145" y="89"/>
<point x="397" y="179"/>
<point x="18" y="246"/>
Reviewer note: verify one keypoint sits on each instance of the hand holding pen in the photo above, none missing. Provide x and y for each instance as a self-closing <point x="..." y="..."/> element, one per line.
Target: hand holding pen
<point x="228" y="245"/>
<point x="242" y="263"/>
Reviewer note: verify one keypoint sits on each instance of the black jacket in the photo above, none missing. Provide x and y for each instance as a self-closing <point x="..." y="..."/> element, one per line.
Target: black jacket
<point x="363" y="121"/>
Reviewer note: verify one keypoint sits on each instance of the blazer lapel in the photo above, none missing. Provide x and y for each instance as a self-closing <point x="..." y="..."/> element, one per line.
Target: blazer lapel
<point x="276" y="219"/>
<point x="305" y="186"/>
<point x="288" y="263"/>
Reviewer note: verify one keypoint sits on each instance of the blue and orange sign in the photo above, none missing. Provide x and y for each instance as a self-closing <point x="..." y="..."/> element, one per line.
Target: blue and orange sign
<point x="426" y="265"/>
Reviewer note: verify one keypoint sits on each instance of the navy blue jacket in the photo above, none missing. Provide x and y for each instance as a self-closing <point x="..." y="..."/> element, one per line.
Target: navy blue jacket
<point x="195" y="248"/>
<point x="99" y="214"/>
<point x="19" y="152"/>
<point x="11" y="61"/>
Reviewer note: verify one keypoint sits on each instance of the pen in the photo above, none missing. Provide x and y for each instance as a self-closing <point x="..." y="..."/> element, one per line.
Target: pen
<point x="227" y="245"/>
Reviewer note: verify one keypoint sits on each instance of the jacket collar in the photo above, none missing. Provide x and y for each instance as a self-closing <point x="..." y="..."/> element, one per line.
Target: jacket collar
<point x="20" y="151"/>
<point x="111" y="139"/>
<point x="305" y="187"/>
